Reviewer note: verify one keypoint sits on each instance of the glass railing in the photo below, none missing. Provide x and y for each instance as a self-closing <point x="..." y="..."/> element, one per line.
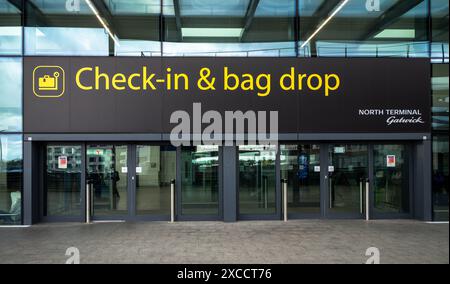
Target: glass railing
<point x="439" y="51"/>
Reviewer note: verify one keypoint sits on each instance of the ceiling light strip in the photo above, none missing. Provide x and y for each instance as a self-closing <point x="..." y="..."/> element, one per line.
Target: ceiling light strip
<point x="325" y="22"/>
<point x="105" y="26"/>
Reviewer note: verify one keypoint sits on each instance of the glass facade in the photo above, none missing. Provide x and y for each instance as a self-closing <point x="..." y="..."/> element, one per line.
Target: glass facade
<point x="107" y="170"/>
<point x="10" y="28"/>
<point x="364" y="28"/>
<point x="200" y="180"/>
<point x="11" y="173"/>
<point x="440" y="177"/>
<point x="11" y="94"/>
<point x="275" y="28"/>
<point x="440" y="88"/>
<point x="257" y="184"/>
<point x="62" y="182"/>
<point x="54" y="28"/>
<point x="346" y="178"/>
<point x="357" y="28"/>
<point x="300" y="166"/>
<point x="391" y="179"/>
<point x="440" y="107"/>
<point x="155" y="169"/>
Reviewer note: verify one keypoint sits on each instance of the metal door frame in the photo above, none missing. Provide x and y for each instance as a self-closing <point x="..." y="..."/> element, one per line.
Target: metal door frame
<point x="278" y="195"/>
<point x="326" y="182"/>
<point x="43" y="180"/>
<point x="178" y="193"/>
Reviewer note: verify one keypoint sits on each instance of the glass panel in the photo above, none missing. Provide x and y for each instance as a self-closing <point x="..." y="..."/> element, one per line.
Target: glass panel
<point x="11" y="174"/>
<point x="439" y="25"/>
<point x="391" y="180"/>
<point x="230" y="28"/>
<point x="156" y="167"/>
<point x="440" y="177"/>
<point x="128" y="28"/>
<point x="61" y="7"/>
<point x="65" y="41"/>
<point x="232" y="8"/>
<point x="137" y="26"/>
<point x="63" y="181"/>
<point x="135" y="7"/>
<point x="11" y="94"/>
<point x="138" y="48"/>
<point x="280" y="8"/>
<point x="300" y="165"/>
<point x="10" y="28"/>
<point x="361" y="28"/>
<point x="440" y="86"/>
<point x="108" y="171"/>
<point x="200" y="180"/>
<point x="54" y="27"/>
<point x="257" y="184"/>
<point x="263" y="49"/>
<point x="346" y="178"/>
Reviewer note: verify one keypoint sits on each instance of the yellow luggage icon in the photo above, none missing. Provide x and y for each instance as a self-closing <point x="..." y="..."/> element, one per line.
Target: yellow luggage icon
<point x="48" y="83"/>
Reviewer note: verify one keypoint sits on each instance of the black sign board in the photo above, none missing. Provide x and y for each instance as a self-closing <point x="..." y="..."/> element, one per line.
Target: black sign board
<point x="139" y="95"/>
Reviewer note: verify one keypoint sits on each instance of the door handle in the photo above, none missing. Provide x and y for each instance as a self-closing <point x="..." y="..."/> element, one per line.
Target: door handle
<point x="361" y="198"/>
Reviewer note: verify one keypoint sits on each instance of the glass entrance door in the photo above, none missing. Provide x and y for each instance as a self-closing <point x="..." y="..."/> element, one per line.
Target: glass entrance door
<point x="347" y="173"/>
<point x="300" y="166"/>
<point x="107" y="170"/>
<point x="257" y="181"/>
<point x="199" y="191"/>
<point x="63" y="198"/>
<point x="391" y="185"/>
<point x="155" y="169"/>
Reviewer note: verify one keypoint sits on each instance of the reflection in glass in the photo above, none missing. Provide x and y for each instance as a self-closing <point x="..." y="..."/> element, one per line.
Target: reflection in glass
<point x="300" y="165"/>
<point x="364" y="28"/>
<point x="231" y="8"/>
<point x="439" y="33"/>
<point x="62" y="184"/>
<point x="137" y="25"/>
<point x="440" y="177"/>
<point x="440" y="87"/>
<point x="58" y="7"/>
<point x="54" y="27"/>
<point x="259" y="28"/>
<point x="391" y="180"/>
<point x="10" y="179"/>
<point x="66" y="41"/>
<point x="10" y="28"/>
<point x="257" y="185"/>
<point x="107" y="170"/>
<point x="279" y="8"/>
<point x="200" y="180"/>
<point x="11" y="94"/>
<point x="346" y="178"/>
<point x="138" y="48"/>
<point x="156" y="166"/>
<point x="135" y="7"/>
<point x="264" y="49"/>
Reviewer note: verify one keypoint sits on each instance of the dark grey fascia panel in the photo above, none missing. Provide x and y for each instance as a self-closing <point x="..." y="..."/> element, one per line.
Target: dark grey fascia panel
<point x="362" y="136"/>
<point x="288" y="136"/>
<point x="281" y="137"/>
<point x="93" y="137"/>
